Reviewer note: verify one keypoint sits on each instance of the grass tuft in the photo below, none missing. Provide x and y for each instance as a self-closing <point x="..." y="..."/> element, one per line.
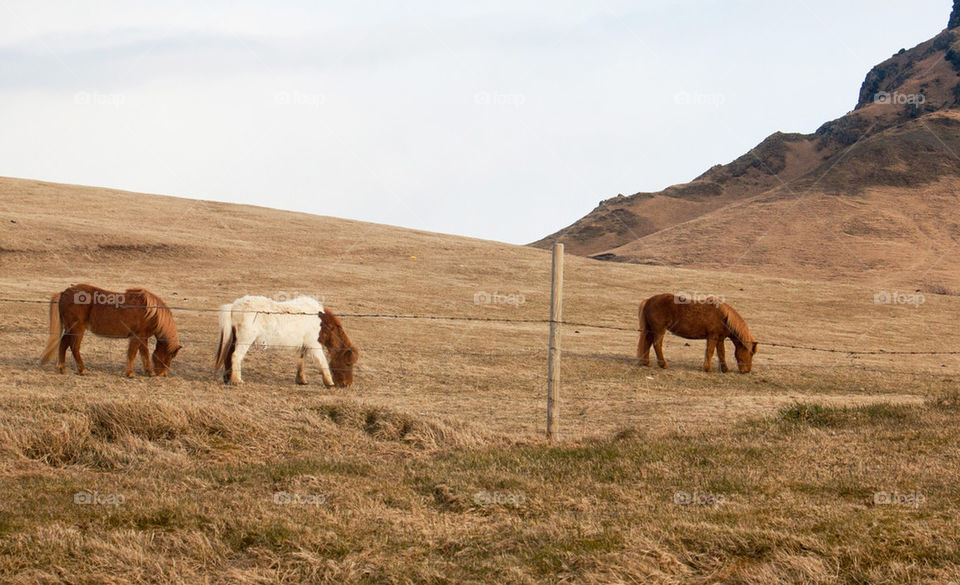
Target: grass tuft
<point x="840" y="417"/>
<point x="385" y="424"/>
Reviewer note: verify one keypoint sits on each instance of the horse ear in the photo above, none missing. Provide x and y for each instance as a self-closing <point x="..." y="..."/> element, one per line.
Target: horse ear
<point x="753" y="350"/>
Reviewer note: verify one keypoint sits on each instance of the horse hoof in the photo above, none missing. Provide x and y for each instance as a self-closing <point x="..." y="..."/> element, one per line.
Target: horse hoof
<point x="301" y="382"/>
<point x="130" y="374"/>
<point x="81" y="372"/>
<point x="235" y="382"/>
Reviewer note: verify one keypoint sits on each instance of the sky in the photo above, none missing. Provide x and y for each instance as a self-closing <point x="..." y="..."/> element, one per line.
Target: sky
<point x="499" y="120"/>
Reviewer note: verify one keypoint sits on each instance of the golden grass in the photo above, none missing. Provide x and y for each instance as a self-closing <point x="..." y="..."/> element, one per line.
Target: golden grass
<point x="432" y="468"/>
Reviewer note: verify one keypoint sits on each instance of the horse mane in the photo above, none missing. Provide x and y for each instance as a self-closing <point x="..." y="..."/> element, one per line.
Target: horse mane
<point x="331" y="331"/>
<point x="343" y="353"/>
<point x="736" y="324"/>
<point x="161" y="316"/>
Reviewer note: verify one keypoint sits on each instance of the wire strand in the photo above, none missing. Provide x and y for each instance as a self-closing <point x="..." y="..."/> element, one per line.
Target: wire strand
<point x="504" y="320"/>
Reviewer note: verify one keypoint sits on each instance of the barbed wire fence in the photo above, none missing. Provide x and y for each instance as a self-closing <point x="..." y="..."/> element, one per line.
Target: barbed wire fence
<point x="542" y="379"/>
<point x="455" y="318"/>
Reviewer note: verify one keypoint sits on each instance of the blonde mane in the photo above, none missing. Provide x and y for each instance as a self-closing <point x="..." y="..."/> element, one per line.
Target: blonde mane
<point x="735" y="323"/>
<point x="157" y="312"/>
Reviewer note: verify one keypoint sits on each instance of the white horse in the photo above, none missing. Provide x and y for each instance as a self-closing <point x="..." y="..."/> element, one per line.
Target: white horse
<point x="253" y="320"/>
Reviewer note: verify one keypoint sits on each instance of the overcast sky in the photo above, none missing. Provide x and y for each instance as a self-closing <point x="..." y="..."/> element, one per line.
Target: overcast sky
<point x="501" y="120"/>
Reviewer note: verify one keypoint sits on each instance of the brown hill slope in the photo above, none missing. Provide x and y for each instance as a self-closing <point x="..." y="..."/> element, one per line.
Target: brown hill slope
<point x="866" y="198"/>
<point x="401" y="477"/>
<point x="445" y="411"/>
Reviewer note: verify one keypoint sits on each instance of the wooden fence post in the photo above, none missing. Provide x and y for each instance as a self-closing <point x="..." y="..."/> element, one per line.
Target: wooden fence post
<point x="553" y="364"/>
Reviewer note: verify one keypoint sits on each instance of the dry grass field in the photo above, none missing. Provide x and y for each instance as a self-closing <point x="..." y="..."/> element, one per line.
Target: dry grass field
<point x="815" y="468"/>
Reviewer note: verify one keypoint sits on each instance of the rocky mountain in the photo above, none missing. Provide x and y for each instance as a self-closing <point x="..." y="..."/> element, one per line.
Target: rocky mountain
<point x="871" y="196"/>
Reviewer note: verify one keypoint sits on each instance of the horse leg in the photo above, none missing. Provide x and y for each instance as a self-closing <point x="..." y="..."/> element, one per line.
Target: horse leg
<point x="643" y="347"/>
<point x="722" y="355"/>
<point x="243" y="343"/>
<point x="62" y="355"/>
<point x="228" y="359"/>
<point x="228" y="369"/>
<point x="321" y="358"/>
<point x="145" y="356"/>
<point x="75" y="340"/>
<point x="132" y="349"/>
<point x="711" y="345"/>
<point x="301" y="379"/>
<point x="658" y="347"/>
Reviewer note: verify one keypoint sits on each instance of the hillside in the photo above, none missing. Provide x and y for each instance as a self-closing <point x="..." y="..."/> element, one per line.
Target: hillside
<point x="866" y="198"/>
<point x="432" y="467"/>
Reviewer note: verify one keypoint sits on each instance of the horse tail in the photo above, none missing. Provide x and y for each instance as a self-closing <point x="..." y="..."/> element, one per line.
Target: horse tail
<point x="226" y="336"/>
<point x="642" y="326"/>
<point x="55" y="329"/>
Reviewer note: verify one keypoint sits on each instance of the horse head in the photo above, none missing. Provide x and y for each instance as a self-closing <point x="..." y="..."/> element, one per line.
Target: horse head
<point x="745" y="353"/>
<point x="162" y="356"/>
<point x="342" y="353"/>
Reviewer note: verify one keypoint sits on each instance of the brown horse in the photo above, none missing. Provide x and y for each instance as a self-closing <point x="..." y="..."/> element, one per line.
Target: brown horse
<point x="136" y="313"/>
<point x="708" y="318"/>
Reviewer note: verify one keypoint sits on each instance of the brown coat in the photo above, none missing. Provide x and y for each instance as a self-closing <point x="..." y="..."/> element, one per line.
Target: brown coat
<point x="709" y="319"/>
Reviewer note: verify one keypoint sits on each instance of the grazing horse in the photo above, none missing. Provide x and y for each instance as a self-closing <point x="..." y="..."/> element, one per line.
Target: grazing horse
<point x="136" y="314"/>
<point x="302" y="323"/>
<point x="709" y="319"/>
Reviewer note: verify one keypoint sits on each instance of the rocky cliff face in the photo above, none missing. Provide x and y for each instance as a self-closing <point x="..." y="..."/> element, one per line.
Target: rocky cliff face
<point x="902" y="135"/>
<point x="954" y="16"/>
